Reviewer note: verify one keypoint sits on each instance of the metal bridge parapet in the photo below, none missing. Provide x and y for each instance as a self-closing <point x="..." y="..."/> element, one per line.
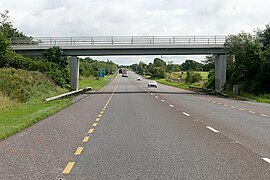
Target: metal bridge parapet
<point x="119" y="40"/>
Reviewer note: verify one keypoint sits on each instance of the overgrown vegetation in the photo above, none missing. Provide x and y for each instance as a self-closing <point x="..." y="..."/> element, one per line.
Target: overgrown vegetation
<point x="249" y="62"/>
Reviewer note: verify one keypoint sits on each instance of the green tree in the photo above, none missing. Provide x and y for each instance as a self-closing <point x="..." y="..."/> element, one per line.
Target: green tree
<point x="191" y="65"/>
<point x="158" y="72"/>
<point x="245" y="66"/>
<point x="264" y="36"/>
<point x="59" y="68"/>
<point x="56" y="55"/>
<point x="192" y="77"/>
<point x="208" y="63"/>
<point x="159" y="63"/>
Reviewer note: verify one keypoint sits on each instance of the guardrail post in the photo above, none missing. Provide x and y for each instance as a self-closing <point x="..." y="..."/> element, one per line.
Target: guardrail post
<point x="173" y="39"/>
<point x="112" y="40"/>
<point x="132" y="40"/>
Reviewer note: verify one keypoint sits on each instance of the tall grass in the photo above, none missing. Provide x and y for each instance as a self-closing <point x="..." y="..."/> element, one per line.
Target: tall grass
<point x="6" y="102"/>
<point x="21" y="85"/>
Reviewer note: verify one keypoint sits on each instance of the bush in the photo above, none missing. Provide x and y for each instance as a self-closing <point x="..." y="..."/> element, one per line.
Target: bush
<point x="158" y="72"/>
<point x="211" y="80"/>
<point x="192" y="77"/>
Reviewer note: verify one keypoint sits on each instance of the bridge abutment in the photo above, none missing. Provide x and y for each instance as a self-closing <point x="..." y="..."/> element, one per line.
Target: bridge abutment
<point x="220" y="71"/>
<point x="74" y="72"/>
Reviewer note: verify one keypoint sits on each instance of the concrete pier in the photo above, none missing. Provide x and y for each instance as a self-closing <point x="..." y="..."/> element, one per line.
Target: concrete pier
<point x="220" y="71"/>
<point x="74" y="72"/>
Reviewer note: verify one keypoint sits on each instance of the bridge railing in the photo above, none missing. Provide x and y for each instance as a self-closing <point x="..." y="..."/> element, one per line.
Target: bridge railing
<point x="118" y="40"/>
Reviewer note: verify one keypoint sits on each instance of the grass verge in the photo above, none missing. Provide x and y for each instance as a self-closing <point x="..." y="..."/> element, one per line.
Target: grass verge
<point x="264" y="98"/>
<point x="174" y="84"/>
<point x="17" y="118"/>
<point x="95" y="83"/>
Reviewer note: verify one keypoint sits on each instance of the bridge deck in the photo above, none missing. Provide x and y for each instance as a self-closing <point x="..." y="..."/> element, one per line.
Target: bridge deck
<point x="123" y="45"/>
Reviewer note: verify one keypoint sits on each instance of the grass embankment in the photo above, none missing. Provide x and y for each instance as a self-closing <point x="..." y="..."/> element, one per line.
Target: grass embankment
<point x="95" y="83"/>
<point x="264" y="98"/>
<point x="174" y="84"/>
<point x="177" y="75"/>
<point x="183" y="74"/>
<point x="22" y="95"/>
<point x="22" y="100"/>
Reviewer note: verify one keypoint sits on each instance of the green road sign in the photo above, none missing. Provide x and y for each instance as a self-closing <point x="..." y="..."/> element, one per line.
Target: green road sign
<point x="101" y="72"/>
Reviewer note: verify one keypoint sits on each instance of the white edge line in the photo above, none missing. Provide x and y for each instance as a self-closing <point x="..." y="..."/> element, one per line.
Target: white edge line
<point x="186" y="114"/>
<point x="212" y="129"/>
<point x="171" y="105"/>
<point x="266" y="159"/>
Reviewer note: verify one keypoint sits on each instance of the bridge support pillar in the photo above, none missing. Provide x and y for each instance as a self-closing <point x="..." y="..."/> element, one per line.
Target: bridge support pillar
<point x="74" y="72"/>
<point x="220" y="71"/>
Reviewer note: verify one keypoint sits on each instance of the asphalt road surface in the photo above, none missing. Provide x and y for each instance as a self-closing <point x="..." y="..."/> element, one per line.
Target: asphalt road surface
<point x="130" y="131"/>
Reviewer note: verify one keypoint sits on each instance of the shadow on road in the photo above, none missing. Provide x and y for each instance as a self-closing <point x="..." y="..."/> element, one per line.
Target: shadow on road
<point x="141" y="92"/>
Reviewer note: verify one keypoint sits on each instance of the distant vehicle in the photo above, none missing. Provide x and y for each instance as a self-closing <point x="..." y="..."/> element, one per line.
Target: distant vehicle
<point x="124" y="73"/>
<point x="139" y="79"/>
<point x="120" y="71"/>
<point x="152" y="84"/>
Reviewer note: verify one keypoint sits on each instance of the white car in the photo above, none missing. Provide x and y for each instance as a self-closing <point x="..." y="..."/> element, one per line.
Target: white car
<point x="139" y="79"/>
<point x="152" y="84"/>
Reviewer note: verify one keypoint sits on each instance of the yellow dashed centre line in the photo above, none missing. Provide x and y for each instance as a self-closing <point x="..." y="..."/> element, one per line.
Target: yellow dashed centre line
<point x="86" y="138"/>
<point x="225" y="105"/>
<point x="252" y="112"/>
<point x="70" y="165"/>
<point x="241" y="109"/>
<point x="232" y="107"/>
<point x="91" y="131"/>
<point x="68" y="168"/>
<point x="78" y="151"/>
<point x="219" y="103"/>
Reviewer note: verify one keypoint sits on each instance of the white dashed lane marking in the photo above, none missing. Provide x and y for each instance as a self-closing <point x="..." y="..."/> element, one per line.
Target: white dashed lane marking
<point x="162" y="100"/>
<point x="156" y="97"/>
<point x="266" y="159"/>
<point x="186" y="114"/>
<point x="171" y="105"/>
<point x="212" y="129"/>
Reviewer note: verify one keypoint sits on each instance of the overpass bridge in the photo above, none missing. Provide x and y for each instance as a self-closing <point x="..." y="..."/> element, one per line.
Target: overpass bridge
<point x="127" y="45"/>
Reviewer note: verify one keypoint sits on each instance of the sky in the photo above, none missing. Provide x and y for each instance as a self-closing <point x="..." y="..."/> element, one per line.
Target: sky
<point x="69" y="18"/>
